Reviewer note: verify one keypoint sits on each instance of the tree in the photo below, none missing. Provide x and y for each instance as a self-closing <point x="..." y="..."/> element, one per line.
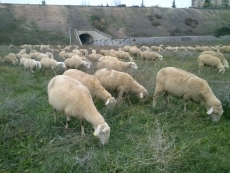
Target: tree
<point x="174" y="4"/>
<point x="142" y="3"/>
<point x="116" y="2"/>
<point x="207" y="3"/>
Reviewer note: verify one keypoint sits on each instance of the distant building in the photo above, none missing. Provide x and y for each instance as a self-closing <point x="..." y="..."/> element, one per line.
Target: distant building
<point x="200" y="3"/>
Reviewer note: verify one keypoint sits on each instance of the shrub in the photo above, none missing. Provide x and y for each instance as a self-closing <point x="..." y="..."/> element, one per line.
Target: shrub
<point x="98" y="22"/>
<point x="158" y="16"/>
<point x="156" y="23"/>
<point x="222" y="31"/>
<point x="191" y="22"/>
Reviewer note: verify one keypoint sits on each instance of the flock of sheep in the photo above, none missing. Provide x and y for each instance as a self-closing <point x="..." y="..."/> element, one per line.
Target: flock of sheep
<point x="73" y="91"/>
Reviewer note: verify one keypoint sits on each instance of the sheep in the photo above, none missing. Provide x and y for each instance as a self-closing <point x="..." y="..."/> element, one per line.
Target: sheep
<point x="51" y="64"/>
<point x="76" y="63"/>
<point x="31" y="64"/>
<point x="144" y="48"/>
<point x="44" y="55"/>
<point x="10" y="58"/>
<point x="25" y="55"/>
<point x="151" y="56"/>
<point x="209" y="60"/>
<point x="181" y="48"/>
<point x="93" y="84"/>
<point x="218" y="55"/>
<point x="156" y="48"/>
<point x="84" y="52"/>
<point x="63" y="55"/>
<point x="116" y="65"/>
<point x="112" y="58"/>
<point x="225" y="49"/>
<point x="134" y="51"/>
<point x="94" y="57"/>
<point x="202" y="48"/>
<point x="34" y="55"/>
<point x="169" y="48"/>
<point x="68" y="95"/>
<point x="121" y="82"/>
<point x="126" y="48"/>
<point x="182" y="84"/>
<point x="108" y="53"/>
<point x="123" y="55"/>
<point x="190" y="48"/>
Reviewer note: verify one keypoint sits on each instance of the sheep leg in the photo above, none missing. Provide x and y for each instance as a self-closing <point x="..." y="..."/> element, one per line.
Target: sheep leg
<point x="55" y="115"/>
<point x="158" y="91"/>
<point x="121" y="92"/>
<point x="82" y="128"/>
<point x="67" y="121"/>
<point x="166" y="99"/>
<point x="185" y="105"/>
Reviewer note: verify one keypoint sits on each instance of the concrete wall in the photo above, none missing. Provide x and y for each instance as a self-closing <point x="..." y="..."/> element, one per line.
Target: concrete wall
<point x="97" y="35"/>
<point x="159" y="40"/>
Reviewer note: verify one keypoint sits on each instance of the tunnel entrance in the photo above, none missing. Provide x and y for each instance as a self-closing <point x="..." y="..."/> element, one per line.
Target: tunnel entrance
<point x="86" y="38"/>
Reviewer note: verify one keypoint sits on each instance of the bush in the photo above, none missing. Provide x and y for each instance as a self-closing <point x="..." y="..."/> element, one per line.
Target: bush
<point x="156" y="23"/>
<point x="191" y="22"/>
<point x="98" y="22"/>
<point x="222" y="31"/>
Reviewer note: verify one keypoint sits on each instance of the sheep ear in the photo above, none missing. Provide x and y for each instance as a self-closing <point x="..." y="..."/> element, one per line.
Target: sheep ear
<point x="107" y="102"/>
<point x="210" y="111"/>
<point x="97" y="131"/>
<point x="106" y="129"/>
<point x="141" y="95"/>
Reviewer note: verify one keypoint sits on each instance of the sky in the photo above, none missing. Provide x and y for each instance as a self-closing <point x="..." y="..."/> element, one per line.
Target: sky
<point x="147" y="3"/>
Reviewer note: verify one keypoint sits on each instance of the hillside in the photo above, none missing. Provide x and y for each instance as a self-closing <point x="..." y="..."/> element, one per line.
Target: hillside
<point x="49" y="24"/>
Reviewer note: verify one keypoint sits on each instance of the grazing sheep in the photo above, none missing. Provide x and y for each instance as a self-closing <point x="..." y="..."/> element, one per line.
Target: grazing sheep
<point x="94" y="57"/>
<point x="31" y="64"/>
<point x="121" y="82"/>
<point x="144" y="48"/>
<point x="156" y="48"/>
<point x="225" y="49"/>
<point x="151" y="56"/>
<point x="190" y="48"/>
<point x="116" y="65"/>
<point x="182" y="84"/>
<point x="202" y="48"/>
<point x="25" y="55"/>
<point x="10" y="58"/>
<point x="209" y="60"/>
<point x="134" y="51"/>
<point x="84" y="52"/>
<point x="112" y="58"/>
<point x="63" y="55"/>
<point x="218" y="55"/>
<point x="34" y="55"/>
<point x="92" y="83"/>
<point x="76" y="63"/>
<point x="169" y="48"/>
<point x="67" y="95"/>
<point x="181" y="48"/>
<point x="51" y="64"/>
<point x="123" y="55"/>
<point x="126" y="48"/>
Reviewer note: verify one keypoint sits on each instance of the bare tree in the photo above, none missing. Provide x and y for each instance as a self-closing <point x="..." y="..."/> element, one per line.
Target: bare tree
<point x="174" y="4"/>
<point x="116" y="2"/>
<point x="142" y="3"/>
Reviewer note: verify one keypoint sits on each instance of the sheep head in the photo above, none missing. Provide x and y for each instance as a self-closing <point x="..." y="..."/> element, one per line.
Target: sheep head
<point x="215" y="113"/>
<point x="87" y="64"/>
<point x="133" y="65"/>
<point x="110" y="100"/>
<point x="102" y="132"/>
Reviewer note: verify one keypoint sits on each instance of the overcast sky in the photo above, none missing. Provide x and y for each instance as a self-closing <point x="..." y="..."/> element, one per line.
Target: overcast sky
<point x="148" y="3"/>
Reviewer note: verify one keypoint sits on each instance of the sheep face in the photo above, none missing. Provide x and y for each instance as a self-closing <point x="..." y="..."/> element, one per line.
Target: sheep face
<point x="110" y="100"/>
<point x="215" y="113"/>
<point x="38" y="64"/>
<point x="102" y="132"/>
<point x="87" y="64"/>
<point x="133" y="65"/>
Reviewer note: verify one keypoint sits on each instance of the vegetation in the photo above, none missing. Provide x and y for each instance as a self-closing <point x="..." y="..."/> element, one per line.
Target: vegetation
<point x="142" y="139"/>
<point x="222" y="31"/>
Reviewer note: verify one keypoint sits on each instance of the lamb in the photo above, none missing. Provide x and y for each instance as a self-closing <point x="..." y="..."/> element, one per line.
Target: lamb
<point x="76" y="63"/>
<point x="51" y="64"/>
<point x="10" y="58"/>
<point x="68" y="95"/>
<point x="209" y="60"/>
<point x="218" y="55"/>
<point x="121" y="82"/>
<point x="225" y="49"/>
<point x="151" y="56"/>
<point x="116" y="65"/>
<point x="93" y="84"/>
<point x="31" y="64"/>
<point x="182" y="84"/>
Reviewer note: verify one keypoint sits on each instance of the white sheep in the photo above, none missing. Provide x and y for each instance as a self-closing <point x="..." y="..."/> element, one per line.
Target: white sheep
<point x="93" y="84"/>
<point x="126" y="48"/>
<point x="202" y="48"/>
<point x="112" y="58"/>
<point x="121" y="82"/>
<point x="225" y="49"/>
<point x="76" y="63"/>
<point x="116" y="65"/>
<point x="123" y="55"/>
<point x="94" y="57"/>
<point x="209" y="60"/>
<point x="156" y="48"/>
<point x="10" y="58"/>
<point x="169" y="48"/>
<point x="218" y="55"/>
<point x="31" y="64"/>
<point x="63" y="55"/>
<point x="151" y="56"/>
<point x="51" y="64"/>
<point x="68" y="95"/>
<point x="182" y="84"/>
<point x="134" y="51"/>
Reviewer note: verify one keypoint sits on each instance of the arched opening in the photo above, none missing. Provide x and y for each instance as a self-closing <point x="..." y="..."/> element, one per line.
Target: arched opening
<point x="86" y="38"/>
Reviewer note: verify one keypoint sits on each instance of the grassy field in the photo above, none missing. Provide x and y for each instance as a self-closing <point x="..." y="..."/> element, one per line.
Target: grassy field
<point x="142" y="139"/>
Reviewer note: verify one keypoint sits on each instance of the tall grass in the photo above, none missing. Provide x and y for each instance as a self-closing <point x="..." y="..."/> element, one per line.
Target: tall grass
<point x="142" y="139"/>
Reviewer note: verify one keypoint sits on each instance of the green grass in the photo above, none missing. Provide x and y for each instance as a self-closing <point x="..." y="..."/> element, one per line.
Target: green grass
<point x="142" y="139"/>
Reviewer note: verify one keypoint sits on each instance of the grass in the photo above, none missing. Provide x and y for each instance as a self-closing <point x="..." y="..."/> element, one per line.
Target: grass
<point x="142" y="139"/>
